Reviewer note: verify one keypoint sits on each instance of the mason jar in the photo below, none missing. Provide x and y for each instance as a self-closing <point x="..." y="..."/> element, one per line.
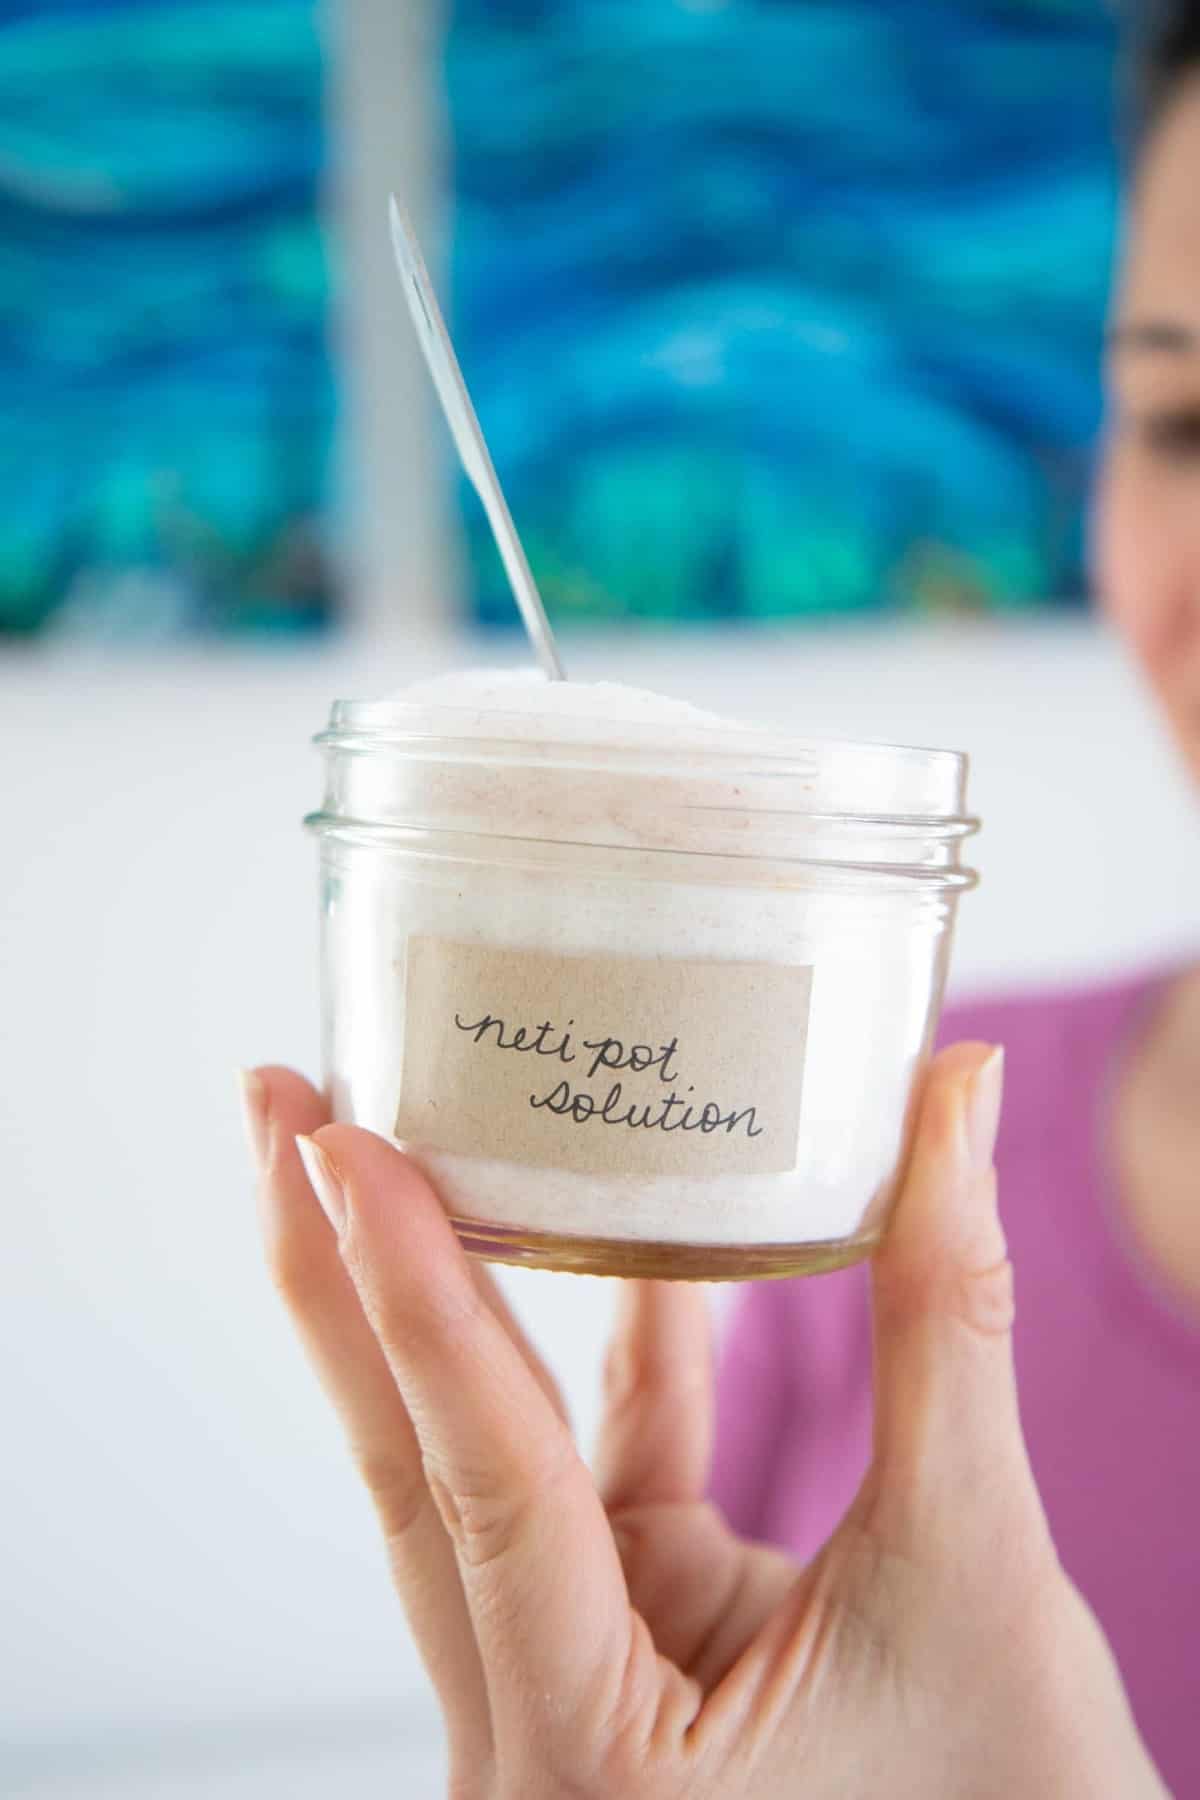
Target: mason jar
<point x="640" y="1000"/>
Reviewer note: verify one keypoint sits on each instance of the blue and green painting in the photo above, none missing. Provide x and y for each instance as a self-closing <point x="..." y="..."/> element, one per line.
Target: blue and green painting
<point x="770" y="307"/>
<point x="784" y="307"/>
<point x="166" y="399"/>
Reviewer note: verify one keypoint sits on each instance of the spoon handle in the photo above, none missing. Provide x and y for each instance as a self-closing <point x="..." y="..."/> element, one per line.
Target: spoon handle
<point x="461" y="417"/>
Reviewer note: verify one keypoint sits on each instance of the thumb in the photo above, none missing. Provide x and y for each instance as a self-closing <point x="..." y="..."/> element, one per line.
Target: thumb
<point x="947" y="1428"/>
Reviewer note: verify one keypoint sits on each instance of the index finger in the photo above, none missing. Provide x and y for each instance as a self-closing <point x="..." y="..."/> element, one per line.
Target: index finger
<point x="313" y="1282"/>
<point x="539" y="1568"/>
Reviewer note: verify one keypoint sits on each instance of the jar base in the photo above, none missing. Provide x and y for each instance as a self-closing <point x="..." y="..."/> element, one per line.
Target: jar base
<point x="633" y="1258"/>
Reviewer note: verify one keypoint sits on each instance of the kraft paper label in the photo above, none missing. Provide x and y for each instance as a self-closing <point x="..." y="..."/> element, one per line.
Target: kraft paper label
<point x="603" y="1064"/>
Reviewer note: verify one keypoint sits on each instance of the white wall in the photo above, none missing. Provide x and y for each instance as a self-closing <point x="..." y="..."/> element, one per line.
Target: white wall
<point x="384" y="101"/>
<point x="183" y="1553"/>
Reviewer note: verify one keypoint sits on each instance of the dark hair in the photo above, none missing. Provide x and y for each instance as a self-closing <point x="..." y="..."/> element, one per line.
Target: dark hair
<point x="1167" y="52"/>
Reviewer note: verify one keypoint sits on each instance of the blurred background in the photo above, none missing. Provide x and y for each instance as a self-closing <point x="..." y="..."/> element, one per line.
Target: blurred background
<point x="784" y="321"/>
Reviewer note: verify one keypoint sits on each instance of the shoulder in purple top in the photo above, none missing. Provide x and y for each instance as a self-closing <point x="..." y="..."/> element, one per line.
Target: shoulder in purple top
<point x="1109" y="1373"/>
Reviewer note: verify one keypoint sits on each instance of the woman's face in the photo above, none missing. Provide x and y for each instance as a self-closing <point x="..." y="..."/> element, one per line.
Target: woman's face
<point x="1148" y="521"/>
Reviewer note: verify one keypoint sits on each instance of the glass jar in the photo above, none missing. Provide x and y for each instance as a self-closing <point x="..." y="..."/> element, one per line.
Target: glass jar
<point x="639" y="1003"/>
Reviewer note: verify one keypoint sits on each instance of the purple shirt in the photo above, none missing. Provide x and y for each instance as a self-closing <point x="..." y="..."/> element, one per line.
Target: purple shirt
<point x="1109" y="1371"/>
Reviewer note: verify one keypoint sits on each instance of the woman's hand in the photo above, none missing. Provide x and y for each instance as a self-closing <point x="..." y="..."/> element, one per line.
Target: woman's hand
<point x="611" y="1639"/>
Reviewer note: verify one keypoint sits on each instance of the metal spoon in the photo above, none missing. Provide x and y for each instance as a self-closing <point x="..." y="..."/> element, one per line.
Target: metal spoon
<point x="435" y="342"/>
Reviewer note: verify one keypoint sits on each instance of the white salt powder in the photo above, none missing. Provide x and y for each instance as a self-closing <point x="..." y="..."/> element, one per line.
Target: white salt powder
<point x="542" y="704"/>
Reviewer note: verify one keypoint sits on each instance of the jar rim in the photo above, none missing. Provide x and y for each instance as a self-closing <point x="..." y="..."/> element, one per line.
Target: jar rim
<point x="656" y="785"/>
<point x="402" y="721"/>
<point x="847" y="777"/>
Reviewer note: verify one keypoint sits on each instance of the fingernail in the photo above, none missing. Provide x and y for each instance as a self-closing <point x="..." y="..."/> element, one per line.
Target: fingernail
<point x="254" y="1112"/>
<point x="983" y="1111"/>
<point x="326" y="1183"/>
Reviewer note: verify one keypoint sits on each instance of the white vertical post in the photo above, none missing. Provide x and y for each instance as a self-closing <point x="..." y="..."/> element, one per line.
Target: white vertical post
<point x="387" y="134"/>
